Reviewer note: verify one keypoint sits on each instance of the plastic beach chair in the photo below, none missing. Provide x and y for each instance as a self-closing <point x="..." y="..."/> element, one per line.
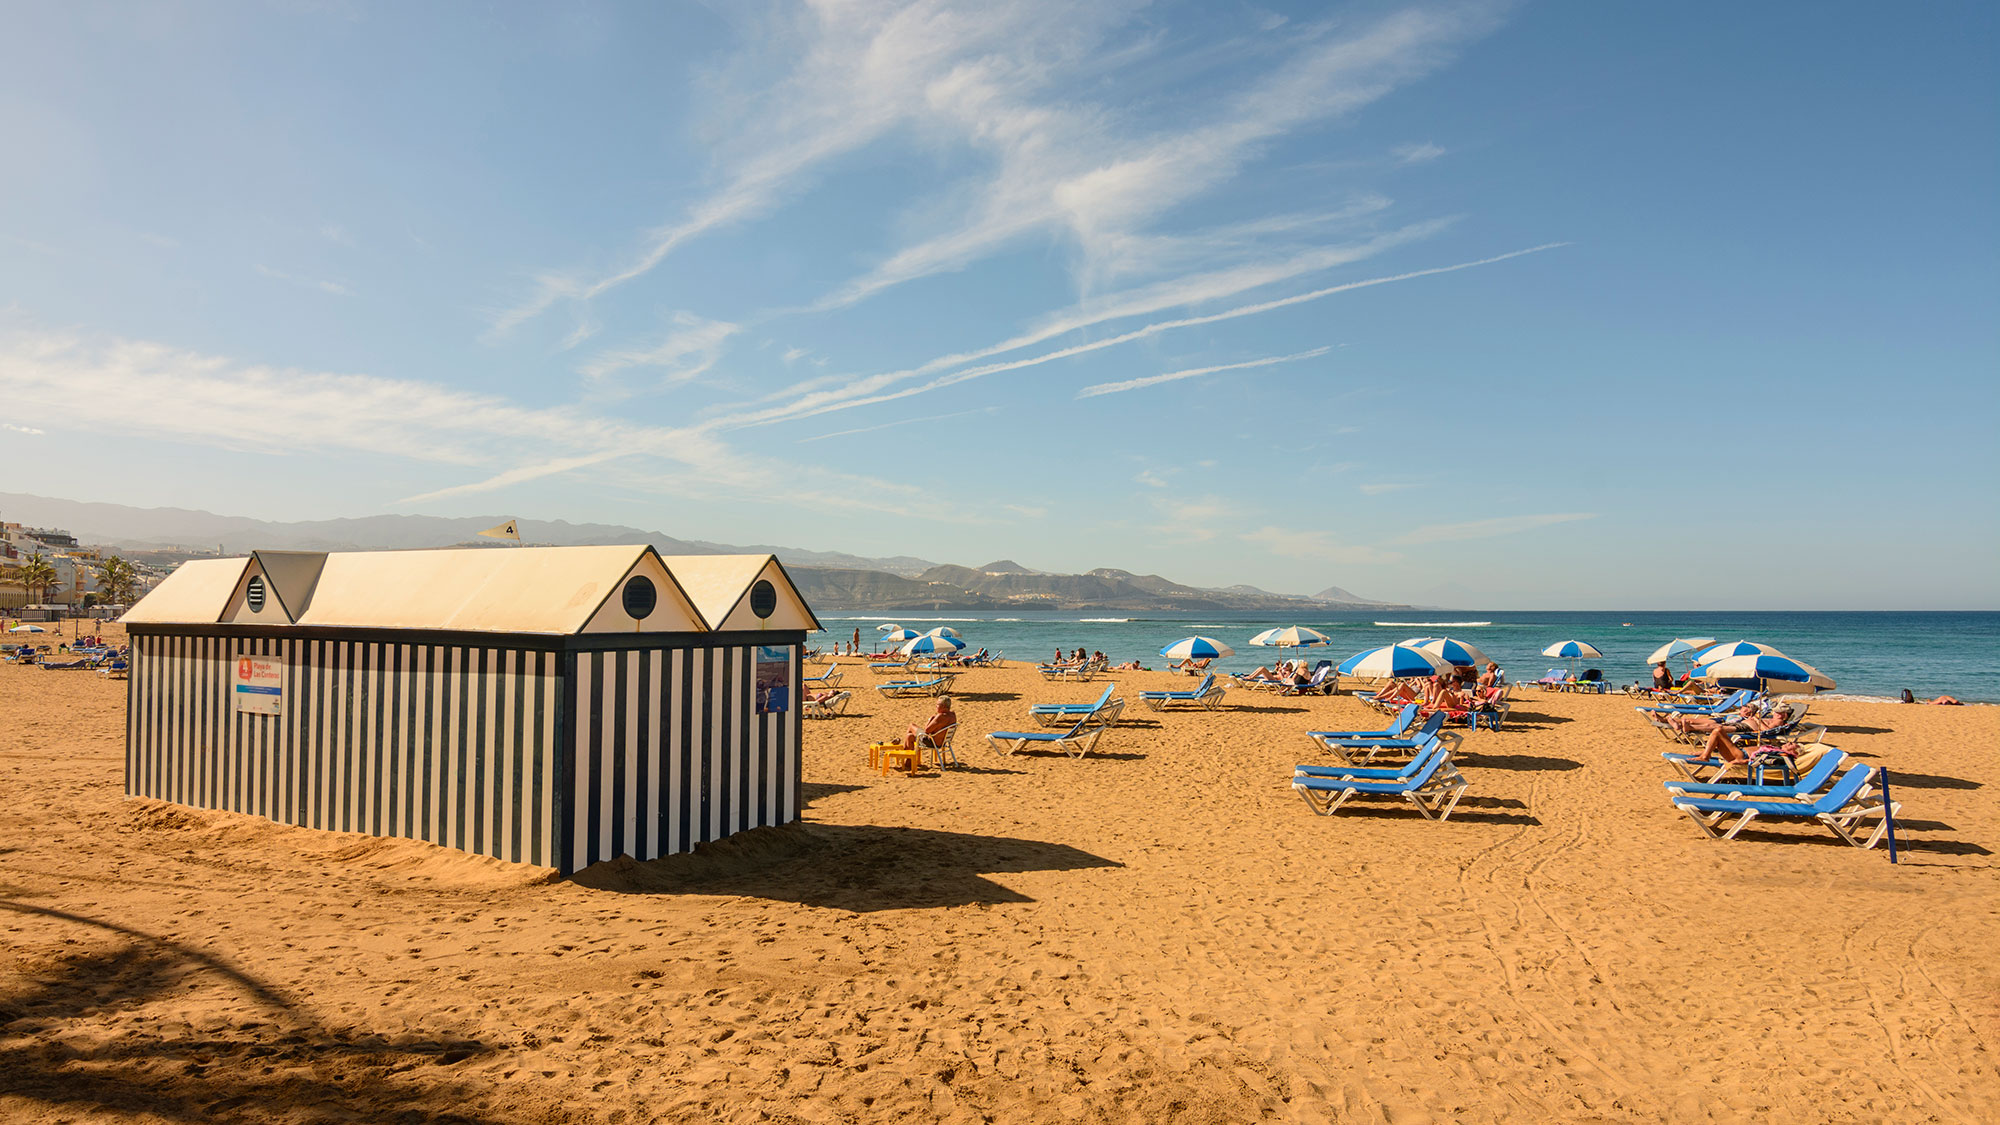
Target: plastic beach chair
<point x="826" y="705"/>
<point x="1370" y="748"/>
<point x="939" y="746"/>
<point x="1061" y="714"/>
<point x="1821" y="772"/>
<point x="1205" y="694"/>
<point x="1840" y="808"/>
<point x="1434" y="788"/>
<point x="1404" y="718"/>
<point x="1077" y="741"/>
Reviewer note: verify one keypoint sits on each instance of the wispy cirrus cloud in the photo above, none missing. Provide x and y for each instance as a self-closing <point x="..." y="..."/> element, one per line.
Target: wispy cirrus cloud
<point x="1417" y="153"/>
<point x="1488" y="528"/>
<point x="333" y="287"/>
<point x="691" y="348"/>
<point x="1381" y="487"/>
<point x="1194" y="372"/>
<point x="898" y="422"/>
<point x="12" y="428"/>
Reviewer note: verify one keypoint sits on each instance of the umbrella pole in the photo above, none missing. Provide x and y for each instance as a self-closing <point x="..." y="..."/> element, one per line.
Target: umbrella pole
<point x="1888" y="810"/>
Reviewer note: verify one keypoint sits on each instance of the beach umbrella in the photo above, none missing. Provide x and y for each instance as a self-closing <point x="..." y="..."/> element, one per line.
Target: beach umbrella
<point x="899" y="634"/>
<point x="1197" y="648"/>
<point x="1573" y="650"/>
<point x="1294" y="636"/>
<point x="931" y="643"/>
<point x="941" y="631"/>
<point x="886" y="628"/>
<point x="1765" y="671"/>
<point x="27" y="629"/>
<point x="1733" y="648"/>
<point x="1459" y="653"/>
<point x="1679" y="646"/>
<point x="1393" y="662"/>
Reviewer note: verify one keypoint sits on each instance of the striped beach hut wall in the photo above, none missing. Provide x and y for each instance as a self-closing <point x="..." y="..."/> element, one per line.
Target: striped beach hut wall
<point x="555" y="706"/>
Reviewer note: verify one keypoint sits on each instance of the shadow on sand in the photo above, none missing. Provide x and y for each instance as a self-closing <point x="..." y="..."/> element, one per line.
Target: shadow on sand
<point x="853" y="867"/>
<point x="73" y="1042"/>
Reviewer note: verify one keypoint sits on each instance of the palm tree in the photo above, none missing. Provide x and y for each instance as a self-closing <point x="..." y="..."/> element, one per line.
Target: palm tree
<point x="38" y="576"/>
<point x="117" y="580"/>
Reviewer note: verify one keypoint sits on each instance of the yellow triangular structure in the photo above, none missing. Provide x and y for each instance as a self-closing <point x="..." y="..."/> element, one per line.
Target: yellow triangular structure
<point x="504" y="531"/>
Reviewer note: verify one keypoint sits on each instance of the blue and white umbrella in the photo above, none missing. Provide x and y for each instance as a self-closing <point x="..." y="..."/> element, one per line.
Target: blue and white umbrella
<point x="941" y="631"/>
<point x="1393" y="662"/>
<point x="1680" y="646"/>
<point x="1733" y="648"/>
<point x="1197" y="648"/>
<point x="1573" y="650"/>
<point x="1764" y="671"/>
<point x="1454" y="652"/>
<point x="930" y="644"/>
<point x="1294" y="636"/>
<point x="899" y="634"/>
<point x="887" y="627"/>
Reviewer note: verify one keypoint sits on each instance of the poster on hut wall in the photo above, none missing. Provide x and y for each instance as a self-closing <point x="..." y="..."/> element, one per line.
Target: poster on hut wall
<point x="774" y="679"/>
<point x="259" y="686"/>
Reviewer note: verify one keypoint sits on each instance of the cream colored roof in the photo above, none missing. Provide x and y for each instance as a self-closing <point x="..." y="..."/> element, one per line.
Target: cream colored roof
<point x="554" y="590"/>
<point x="196" y="592"/>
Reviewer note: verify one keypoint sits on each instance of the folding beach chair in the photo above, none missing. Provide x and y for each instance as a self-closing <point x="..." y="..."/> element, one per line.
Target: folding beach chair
<point x="939" y="746"/>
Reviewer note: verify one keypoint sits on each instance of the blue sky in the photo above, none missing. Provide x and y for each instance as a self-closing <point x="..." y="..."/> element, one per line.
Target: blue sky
<point x="1539" y="305"/>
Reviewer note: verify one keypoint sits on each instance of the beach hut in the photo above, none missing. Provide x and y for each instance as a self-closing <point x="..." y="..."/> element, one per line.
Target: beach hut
<point x="547" y="705"/>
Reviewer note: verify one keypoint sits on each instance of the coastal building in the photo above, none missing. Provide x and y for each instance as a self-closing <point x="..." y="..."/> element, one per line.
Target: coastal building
<point x="548" y="705"/>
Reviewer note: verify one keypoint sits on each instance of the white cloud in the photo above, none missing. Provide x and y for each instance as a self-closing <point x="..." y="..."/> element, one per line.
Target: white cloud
<point x="683" y="354"/>
<point x="1317" y="546"/>
<point x="335" y="233"/>
<point x="20" y="429"/>
<point x="332" y="287"/>
<point x="1192" y="372"/>
<point x="1487" y="528"/>
<point x="793" y="355"/>
<point x="1417" y="153"/>
<point x="898" y="422"/>
<point x="1151" y="479"/>
<point x="1026" y="511"/>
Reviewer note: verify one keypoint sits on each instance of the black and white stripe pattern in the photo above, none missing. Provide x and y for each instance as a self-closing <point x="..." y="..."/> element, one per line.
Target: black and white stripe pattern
<point x="452" y="744"/>
<point x="669" y="752"/>
<point x="554" y="758"/>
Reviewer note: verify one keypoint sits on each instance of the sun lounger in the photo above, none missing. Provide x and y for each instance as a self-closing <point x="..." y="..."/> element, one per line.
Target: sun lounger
<point x="1556" y="679"/>
<point x="1369" y="748"/>
<point x="1437" y="744"/>
<point x="936" y="685"/>
<point x="1077" y="741"/>
<point x="1840" y="808"/>
<point x="1731" y="702"/>
<point x="1207" y="694"/>
<point x="1318" y="684"/>
<point x="1063" y="714"/>
<point x="1404" y="719"/>
<point x="827" y="706"/>
<point x="1434" y="788"/>
<point x="1821" y="772"/>
<point x="829" y="678"/>
<point x="889" y="667"/>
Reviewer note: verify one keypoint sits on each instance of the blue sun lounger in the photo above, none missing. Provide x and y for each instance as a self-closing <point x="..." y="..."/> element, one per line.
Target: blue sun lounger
<point x="937" y="685"/>
<point x="1077" y="741"/>
<point x="1821" y="772"/>
<point x="1435" y="788"/>
<point x="1205" y="694"/>
<point x="1440" y="744"/>
<point x="1840" y="808"/>
<point x="1370" y="748"/>
<point x="1057" y="714"/>
<point x="1729" y="703"/>
<point x="1395" y="729"/>
<point x="829" y="678"/>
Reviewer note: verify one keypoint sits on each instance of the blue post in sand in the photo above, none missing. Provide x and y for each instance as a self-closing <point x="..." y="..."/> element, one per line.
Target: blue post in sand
<point x="1888" y="811"/>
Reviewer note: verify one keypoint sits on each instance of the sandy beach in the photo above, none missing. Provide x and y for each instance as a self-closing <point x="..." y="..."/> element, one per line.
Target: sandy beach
<point x="1162" y="931"/>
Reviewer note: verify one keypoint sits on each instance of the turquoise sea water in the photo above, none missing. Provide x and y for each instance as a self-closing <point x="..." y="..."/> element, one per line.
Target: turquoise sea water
<point x="1867" y="654"/>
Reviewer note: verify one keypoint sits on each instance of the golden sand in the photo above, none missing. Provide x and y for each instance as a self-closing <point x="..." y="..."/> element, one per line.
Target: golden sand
<point x="1162" y="932"/>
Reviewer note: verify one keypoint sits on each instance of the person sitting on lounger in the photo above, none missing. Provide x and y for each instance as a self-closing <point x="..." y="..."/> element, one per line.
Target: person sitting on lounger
<point x="1493" y="678"/>
<point x="940" y="720"/>
<point x="1398" y="691"/>
<point x="1442" y="696"/>
<point x="1279" y="673"/>
<point x="1192" y="666"/>
<point x="1663" y="677"/>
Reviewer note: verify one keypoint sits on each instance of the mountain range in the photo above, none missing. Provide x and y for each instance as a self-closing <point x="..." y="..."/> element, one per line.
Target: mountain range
<point x="828" y="579"/>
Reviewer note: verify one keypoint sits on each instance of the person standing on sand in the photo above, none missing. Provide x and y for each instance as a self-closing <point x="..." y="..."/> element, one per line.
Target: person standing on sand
<point x="857" y="639"/>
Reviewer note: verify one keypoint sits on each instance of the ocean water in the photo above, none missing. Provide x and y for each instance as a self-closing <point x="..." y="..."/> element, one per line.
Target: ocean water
<point x="1867" y="654"/>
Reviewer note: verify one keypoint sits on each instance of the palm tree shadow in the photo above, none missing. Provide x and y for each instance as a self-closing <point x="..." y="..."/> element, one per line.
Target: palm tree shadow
<point x="854" y="867"/>
<point x="68" y="1041"/>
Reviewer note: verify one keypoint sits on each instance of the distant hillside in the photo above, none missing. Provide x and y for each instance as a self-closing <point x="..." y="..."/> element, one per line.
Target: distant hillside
<point x="124" y="526"/>
<point x="828" y="588"/>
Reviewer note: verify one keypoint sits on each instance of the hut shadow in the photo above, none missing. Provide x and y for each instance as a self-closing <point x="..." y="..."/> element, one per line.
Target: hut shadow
<point x="1505" y="761"/>
<point x="1898" y="779"/>
<point x="810" y="791"/>
<point x="859" y="868"/>
<point x="69" y="1044"/>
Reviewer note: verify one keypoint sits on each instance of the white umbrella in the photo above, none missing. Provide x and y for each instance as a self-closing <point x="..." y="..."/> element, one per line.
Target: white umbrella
<point x="1765" y="672"/>
<point x="1197" y="648"/>
<point x="1677" y="646"/>
<point x="899" y="634"/>
<point x="1733" y="648"/>
<point x="1393" y="662"/>
<point x="884" y="628"/>
<point x="932" y="643"/>
<point x="941" y="631"/>
<point x="1294" y="636"/>
<point x="27" y="629"/>
<point x="1573" y="650"/>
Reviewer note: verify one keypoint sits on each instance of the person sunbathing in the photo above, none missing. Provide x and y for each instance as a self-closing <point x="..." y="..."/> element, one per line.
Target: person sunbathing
<point x="1444" y="697"/>
<point x="1398" y="691"/>
<point x="1745" y="720"/>
<point x="1280" y="673"/>
<point x="1192" y="666"/>
<point x="1946" y="701"/>
<point x="1720" y="749"/>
